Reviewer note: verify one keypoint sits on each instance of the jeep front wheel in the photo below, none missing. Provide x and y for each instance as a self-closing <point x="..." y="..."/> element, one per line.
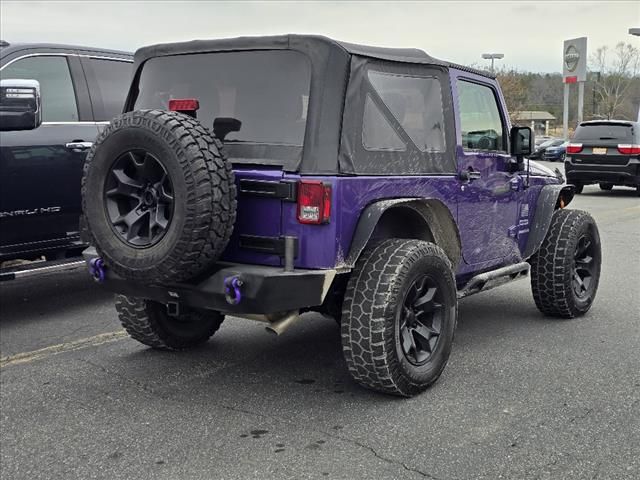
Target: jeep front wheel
<point x="399" y="316"/>
<point x="565" y="272"/>
<point x="149" y="323"/>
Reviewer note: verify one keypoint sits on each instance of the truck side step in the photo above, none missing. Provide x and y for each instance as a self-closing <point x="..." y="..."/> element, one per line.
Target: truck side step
<point x="488" y="280"/>
<point x="39" y="268"/>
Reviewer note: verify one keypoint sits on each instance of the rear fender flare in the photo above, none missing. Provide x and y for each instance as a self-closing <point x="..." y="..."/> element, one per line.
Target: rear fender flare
<point x="439" y="226"/>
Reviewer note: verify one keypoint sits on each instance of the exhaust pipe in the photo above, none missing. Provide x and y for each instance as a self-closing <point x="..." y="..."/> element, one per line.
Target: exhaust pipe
<point x="279" y="325"/>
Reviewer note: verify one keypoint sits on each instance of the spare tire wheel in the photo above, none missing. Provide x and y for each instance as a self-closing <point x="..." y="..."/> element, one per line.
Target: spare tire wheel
<point x="158" y="196"/>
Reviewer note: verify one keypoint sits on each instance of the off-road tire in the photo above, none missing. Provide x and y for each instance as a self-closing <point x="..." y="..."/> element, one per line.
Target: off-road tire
<point x="552" y="267"/>
<point x="606" y="186"/>
<point x="148" y="322"/>
<point x="204" y="208"/>
<point x="370" y="316"/>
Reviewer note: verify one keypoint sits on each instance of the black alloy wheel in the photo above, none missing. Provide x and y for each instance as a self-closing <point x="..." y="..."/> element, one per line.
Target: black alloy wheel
<point x="421" y="320"/>
<point x="584" y="267"/>
<point x="138" y="198"/>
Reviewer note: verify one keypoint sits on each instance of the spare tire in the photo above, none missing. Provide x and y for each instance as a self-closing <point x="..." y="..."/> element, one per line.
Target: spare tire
<point x="158" y="196"/>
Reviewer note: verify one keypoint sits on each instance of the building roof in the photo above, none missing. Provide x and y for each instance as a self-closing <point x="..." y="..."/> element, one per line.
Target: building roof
<point x="533" y="115"/>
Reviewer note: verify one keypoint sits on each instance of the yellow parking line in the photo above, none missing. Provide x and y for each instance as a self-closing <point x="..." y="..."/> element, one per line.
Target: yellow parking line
<point x="27" y="357"/>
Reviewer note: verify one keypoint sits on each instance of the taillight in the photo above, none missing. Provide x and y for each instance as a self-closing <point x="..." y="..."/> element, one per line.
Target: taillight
<point x="314" y="202"/>
<point x="184" y="105"/>
<point x="574" y="148"/>
<point x="629" y="149"/>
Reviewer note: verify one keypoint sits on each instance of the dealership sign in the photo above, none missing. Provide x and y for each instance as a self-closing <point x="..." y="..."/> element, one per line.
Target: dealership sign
<point x="575" y="60"/>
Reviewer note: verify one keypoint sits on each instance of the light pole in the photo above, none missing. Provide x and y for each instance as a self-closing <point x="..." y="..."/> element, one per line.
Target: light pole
<point x="492" y="57"/>
<point x="635" y="32"/>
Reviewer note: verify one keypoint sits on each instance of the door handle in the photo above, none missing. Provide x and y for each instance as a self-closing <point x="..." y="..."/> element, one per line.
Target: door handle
<point x="78" y="146"/>
<point x="469" y="175"/>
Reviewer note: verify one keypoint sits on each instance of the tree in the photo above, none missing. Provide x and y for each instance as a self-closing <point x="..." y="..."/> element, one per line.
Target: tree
<point x="618" y="69"/>
<point x="515" y="90"/>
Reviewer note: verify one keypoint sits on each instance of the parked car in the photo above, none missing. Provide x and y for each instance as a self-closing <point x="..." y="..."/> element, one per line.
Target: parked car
<point x="40" y="169"/>
<point x="538" y="153"/>
<point x="540" y="139"/>
<point x="606" y="152"/>
<point x="555" y="153"/>
<point x="343" y="182"/>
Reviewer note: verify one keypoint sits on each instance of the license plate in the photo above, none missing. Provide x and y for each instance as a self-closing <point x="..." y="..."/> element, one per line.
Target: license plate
<point x="599" y="151"/>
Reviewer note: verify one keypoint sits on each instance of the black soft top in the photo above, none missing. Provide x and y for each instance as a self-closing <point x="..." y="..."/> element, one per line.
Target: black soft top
<point x="304" y="43"/>
<point x="334" y="65"/>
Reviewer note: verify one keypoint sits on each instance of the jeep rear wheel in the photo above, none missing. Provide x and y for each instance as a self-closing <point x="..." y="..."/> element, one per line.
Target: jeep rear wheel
<point x="149" y="323"/>
<point x="399" y="316"/>
<point x="158" y="196"/>
<point x="605" y="186"/>
<point x="565" y="272"/>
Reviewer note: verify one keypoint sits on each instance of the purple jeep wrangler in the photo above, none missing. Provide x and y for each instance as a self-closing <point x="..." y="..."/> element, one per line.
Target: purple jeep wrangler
<point x="267" y="177"/>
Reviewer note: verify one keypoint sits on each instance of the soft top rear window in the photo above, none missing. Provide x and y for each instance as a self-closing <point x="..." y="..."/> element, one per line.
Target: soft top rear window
<point x="620" y="132"/>
<point x="266" y="90"/>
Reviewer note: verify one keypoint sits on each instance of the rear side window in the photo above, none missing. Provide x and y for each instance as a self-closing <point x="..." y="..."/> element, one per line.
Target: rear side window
<point x="480" y="121"/>
<point x="109" y="88"/>
<point x="56" y="87"/>
<point x="415" y="103"/>
<point x="267" y="91"/>
<point x="620" y="132"/>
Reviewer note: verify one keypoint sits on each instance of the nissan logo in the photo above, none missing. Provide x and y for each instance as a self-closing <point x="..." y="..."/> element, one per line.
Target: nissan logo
<point x="571" y="58"/>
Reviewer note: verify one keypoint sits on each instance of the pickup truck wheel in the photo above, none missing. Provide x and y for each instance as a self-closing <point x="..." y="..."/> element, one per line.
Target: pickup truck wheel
<point x="399" y="316"/>
<point x="577" y="187"/>
<point x="149" y="323"/>
<point x="605" y="186"/>
<point x="158" y="196"/>
<point x="566" y="270"/>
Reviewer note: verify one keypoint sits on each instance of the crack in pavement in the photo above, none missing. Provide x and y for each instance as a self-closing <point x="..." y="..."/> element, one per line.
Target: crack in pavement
<point x="146" y="388"/>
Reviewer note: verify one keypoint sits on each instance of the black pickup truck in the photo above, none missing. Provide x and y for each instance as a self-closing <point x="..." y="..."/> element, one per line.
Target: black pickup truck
<point x="80" y="89"/>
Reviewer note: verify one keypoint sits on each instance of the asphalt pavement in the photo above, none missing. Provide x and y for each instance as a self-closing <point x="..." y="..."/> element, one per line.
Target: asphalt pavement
<point x="523" y="396"/>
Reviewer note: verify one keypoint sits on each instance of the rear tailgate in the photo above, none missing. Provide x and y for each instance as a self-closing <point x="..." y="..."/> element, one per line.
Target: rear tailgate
<point x="600" y="141"/>
<point x="257" y="231"/>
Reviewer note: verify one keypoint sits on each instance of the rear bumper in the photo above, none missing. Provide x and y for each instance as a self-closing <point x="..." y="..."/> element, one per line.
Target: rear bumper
<point x="261" y="289"/>
<point x="628" y="174"/>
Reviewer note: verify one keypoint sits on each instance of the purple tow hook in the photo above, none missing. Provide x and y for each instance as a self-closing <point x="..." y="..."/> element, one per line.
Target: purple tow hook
<point x="96" y="269"/>
<point x="232" y="290"/>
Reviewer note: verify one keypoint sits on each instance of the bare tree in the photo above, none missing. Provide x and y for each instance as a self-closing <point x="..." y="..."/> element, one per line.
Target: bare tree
<point x="618" y="69"/>
<point x="514" y="88"/>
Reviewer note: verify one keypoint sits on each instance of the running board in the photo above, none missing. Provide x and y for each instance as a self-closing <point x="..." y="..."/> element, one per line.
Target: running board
<point x="45" y="267"/>
<point x="488" y="280"/>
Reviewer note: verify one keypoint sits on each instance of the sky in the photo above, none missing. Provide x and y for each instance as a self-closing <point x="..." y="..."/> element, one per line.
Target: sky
<point x="529" y="34"/>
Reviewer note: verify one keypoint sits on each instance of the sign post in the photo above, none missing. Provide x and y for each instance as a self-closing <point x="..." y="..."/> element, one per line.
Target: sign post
<point x="574" y="70"/>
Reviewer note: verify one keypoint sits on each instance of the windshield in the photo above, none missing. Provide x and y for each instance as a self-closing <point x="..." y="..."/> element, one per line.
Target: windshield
<point x="547" y="143"/>
<point x="266" y="91"/>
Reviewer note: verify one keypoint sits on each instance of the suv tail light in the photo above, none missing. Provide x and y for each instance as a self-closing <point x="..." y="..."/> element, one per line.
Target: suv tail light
<point x="574" y="148"/>
<point x="314" y="202"/>
<point x="629" y="149"/>
<point x="184" y="105"/>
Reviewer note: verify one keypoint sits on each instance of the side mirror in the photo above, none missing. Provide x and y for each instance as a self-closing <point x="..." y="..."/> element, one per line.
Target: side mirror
<point x="20" y="105"/>
<point x="521" y="142"/>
